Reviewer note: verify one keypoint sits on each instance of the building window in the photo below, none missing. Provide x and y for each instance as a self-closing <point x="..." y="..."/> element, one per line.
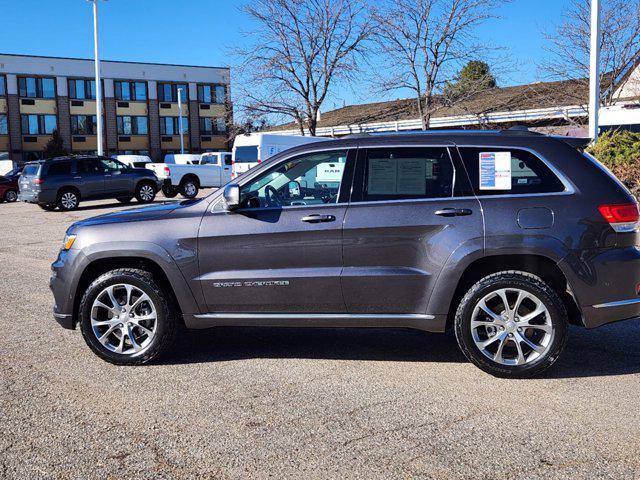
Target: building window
<point x="168" y="92"/>
<point x="82" y="89"/>
<point x="38" y="124"/>
<point x="169" y="125"/>
<point x="211" y="93"/>
<point x="36" y="87"/>
<point x="3" y="86"/>
<point x="83" y="125"/>
<point x="211" y="126"/>
<point x="131" y="91"/>
<point x="4" y="128"/>
<point x="128" y="125"/>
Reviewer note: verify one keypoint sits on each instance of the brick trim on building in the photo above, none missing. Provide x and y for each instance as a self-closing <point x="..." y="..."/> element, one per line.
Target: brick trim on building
<point x="15" y="127"/>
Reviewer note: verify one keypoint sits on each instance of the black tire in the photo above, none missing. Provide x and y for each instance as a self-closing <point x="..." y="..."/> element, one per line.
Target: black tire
<point x="65" y="200"/>
<point x="530" y="284"/>
<point x="146" y="192"/>
<point x="166" y="319"/>
<point x="189" y="187"/>
<point x="10" y="196"/>
<point x="170" y="191"/>
<point x="124" y="199"/>
<point x="49" y="207"/>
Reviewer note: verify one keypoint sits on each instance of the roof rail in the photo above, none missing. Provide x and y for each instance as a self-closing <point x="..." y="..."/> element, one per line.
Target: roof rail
<point x="356" y="135"/>
<point x="519" y="130"/>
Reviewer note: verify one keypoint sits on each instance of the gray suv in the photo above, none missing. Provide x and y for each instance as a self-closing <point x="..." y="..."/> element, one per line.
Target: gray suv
<point x="66" y="181"/>
<point x="505" y="237"/>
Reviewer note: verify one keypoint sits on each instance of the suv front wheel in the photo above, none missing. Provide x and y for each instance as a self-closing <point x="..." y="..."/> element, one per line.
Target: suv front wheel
<point x="511" y="324"/>
<point x="145" y="192"/>
<point x="125" y="318"/>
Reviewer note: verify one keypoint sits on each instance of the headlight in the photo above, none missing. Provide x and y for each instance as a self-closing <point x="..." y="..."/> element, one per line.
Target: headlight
<point x="68" y="242"/>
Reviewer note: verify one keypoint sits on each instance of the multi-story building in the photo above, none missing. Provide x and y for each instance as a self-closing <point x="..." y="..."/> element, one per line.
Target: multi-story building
<point x="140" y="106"/>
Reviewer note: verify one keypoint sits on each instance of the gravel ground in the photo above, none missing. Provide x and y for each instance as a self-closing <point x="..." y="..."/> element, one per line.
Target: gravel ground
<point x="281" y="403"/>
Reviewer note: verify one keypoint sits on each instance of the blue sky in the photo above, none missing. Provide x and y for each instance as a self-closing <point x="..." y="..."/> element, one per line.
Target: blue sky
<point x="202" y="32"/>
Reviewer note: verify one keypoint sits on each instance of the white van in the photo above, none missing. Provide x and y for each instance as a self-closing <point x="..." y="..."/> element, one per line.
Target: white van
<point x="249" y="150"/>
<point x="182" y="159"/>
<point x="135" y="161"/>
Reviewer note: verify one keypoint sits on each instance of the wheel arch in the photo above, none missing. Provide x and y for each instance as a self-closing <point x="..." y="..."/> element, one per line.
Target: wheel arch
<point x="540" y="265"/>
<point x="191" y="176"/>
<point x="165" y="272"/>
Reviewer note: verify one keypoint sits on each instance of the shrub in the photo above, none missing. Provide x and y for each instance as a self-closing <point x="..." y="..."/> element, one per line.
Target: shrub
<point x="620" y="152"/>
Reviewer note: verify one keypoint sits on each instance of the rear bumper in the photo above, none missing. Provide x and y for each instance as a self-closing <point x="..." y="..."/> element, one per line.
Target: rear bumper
<point x="29" y="197"/>
<point x="605" y="285"/>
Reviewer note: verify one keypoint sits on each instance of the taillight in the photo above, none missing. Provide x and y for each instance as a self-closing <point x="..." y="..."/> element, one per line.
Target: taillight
<point x="259" y="161"/>
<point x="167" y="172"/>
<point x="623" y="217"/>
<point x="38" y="181"/>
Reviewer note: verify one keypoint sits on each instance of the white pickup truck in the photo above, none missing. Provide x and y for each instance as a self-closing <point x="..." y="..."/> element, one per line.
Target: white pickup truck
<point x="187" y="174"/>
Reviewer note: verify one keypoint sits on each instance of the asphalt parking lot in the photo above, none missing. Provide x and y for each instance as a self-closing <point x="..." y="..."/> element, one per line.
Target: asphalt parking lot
<point x="238" y="403"/>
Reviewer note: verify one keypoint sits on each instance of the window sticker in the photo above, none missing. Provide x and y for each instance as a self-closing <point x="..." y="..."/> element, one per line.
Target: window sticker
<point x="402" y="176"/>
<point x="382" y="176"/>
<point x="495" y="170"/>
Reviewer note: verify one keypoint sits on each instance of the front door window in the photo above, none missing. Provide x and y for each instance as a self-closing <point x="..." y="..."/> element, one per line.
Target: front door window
<point x="312" y="179"/>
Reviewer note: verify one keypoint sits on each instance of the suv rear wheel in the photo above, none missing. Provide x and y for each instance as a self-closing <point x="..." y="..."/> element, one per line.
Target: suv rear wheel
<point x="145" y="192"/>
<point x="189" y="188"/>
<point x="126" y="319"/>
<point x="511" y="324"/>
<point x="68" y="199"/>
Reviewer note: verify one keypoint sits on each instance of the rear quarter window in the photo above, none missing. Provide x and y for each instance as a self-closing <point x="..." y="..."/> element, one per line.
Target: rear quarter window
<point x="527" y="174"/>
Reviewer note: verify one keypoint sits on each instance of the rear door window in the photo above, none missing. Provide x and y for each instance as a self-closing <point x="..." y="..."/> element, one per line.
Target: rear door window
<point x="508" y="171"/>
<point x="405" y="174"/>
<point x="90" y="166"/>
<point x="57" y="169"/>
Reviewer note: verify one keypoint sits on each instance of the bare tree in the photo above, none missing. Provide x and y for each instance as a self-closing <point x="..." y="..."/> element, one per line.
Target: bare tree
<point x="300" y="50"/>
<point x="424" y="42"/>
<point x="620" y="40"/>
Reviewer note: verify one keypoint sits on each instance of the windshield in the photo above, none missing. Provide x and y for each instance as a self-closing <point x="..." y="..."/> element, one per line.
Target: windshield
<point x="246" y="155"/>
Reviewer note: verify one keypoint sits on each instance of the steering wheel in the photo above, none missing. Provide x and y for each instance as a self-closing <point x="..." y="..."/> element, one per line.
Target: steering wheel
<point x="272" y="197"/>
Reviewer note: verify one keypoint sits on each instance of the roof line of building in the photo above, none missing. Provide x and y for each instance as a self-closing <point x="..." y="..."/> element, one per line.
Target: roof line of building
<point x="116" y="61"/>
<point x="572" y="111"/>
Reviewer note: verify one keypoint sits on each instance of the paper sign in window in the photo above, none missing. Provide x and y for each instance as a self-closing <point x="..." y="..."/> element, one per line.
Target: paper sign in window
<point x="403" y="176"/>
<point x="495" y="171"/>
<point x="382" y="176"/>
<point x="411" y="177"/>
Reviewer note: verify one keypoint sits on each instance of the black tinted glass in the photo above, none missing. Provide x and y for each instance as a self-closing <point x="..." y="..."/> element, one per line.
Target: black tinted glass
<point x="90" y="166"/>
<point x="59" y="168"/>
<point x="246" y="154"/>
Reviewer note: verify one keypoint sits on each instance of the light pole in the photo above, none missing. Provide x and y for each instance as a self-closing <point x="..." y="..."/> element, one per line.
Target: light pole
<point x="180" y="121"/>
<point x="98" y="84"/>
<point x="594" y="71"/>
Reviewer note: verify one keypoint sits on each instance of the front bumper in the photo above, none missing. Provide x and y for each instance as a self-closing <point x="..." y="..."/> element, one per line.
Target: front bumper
<point x="63" y="284"/>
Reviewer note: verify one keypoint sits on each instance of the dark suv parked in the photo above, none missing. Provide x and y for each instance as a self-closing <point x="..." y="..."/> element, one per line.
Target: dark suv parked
<point x="65" y="181"/>
<point x="507" y="237"/>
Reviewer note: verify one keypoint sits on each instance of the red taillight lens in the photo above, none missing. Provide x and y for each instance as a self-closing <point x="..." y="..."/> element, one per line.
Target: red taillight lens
<point x="37" y="181"/>
<point x="620" y="213"/>
<point x="167" y="171"/>
<point x="259" y="161"/>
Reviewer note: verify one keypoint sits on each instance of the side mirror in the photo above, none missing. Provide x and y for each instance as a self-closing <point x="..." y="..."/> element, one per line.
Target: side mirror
<point x="232" y="196"/>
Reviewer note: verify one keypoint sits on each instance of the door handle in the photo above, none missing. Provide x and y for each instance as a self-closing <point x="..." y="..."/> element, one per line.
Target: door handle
<point x="77" y="178"/>
<point x="454" y="212"/>
<point x="315" y="218"/>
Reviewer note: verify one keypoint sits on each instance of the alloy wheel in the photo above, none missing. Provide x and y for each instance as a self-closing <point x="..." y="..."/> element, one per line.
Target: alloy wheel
<point x="124" y="319"/>
<point x="512" y="327"/>
<point x="190" y="189"/>
<point x="146" y="193"/>
<point x="11" y="196"/>
<point x="69" y="200"/>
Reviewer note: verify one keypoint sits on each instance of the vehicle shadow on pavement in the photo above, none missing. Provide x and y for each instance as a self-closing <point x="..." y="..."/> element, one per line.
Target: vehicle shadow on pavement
<point x="236" y="343"/>
<point x="608" y="351"/>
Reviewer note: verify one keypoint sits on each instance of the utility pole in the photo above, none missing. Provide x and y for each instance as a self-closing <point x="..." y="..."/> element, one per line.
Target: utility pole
<point x="98" y="84"/>
<point x="594" y="71"/>
<point x="180" y="121"/>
